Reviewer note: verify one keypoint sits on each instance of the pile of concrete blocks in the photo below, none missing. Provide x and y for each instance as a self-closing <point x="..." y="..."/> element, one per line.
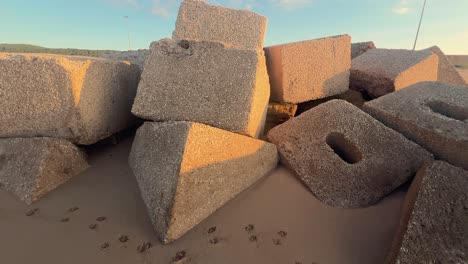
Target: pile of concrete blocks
<point x="447" y="73"/>
<point x="357" y="49"/>
<point x="51" y="102"/>
<point x="205" y="93"/>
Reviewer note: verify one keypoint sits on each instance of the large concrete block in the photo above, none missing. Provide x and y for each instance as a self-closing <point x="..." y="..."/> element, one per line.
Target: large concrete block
<point x="81" y="99"/>
<point x="309" y="70"/>
<point x="346" y="157"/>
<point x="204" y="82"/>
<point x="357" y="49"/>
<point x="446" y="71"/>
<point x="240" y="29"/>
<point x="434" y="223"/>
<point x="382" y="71"/>
<point x="32" y="167"/>
<point x="186" y="171"/>
<point x="278" y="113"/>
<point x="432" y="114"/>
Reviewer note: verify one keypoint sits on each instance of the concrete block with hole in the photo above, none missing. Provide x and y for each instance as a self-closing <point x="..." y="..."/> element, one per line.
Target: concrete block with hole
<point x="32" y="167"/>
<point x="446" y="71"/>
<point x="382" y="71"/>
<point x="239" y="29"/>
<point x="346" y="158"/>
<point x="432" y="114"/>
<point x="186" y="171"/>
<point x="81" y="99"/>
<point x="357" y="49"/>
<point x="434" y="222"/>
<point x="309" y="70"/>
<point x="204" y="82"/>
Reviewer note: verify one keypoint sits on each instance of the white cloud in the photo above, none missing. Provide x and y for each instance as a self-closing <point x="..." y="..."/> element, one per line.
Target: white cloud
<point x="163" y="8"/>
<point x="401" y="10"/>
<point x="291" y="4"/>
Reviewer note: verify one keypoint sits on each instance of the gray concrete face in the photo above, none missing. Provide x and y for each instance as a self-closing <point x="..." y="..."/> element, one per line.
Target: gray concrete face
<point x="432" y="114"/>
<point x="32" y="167"/>
<point x="434" y="223"/>
<point x="345" y="157"/>
<point x="309" y="70"/>
<point x="204" y="82"/>
<point x="81" y="99"/>
<point x="186" y="171"/>
<point x="382" y="71"/>
<point x="446" y="72"/>
<point x="357" y="49"/>
<point x="239" y="29"/>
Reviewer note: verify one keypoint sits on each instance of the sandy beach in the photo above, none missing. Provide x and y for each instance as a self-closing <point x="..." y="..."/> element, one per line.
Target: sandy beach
<point x="312" y="231"/>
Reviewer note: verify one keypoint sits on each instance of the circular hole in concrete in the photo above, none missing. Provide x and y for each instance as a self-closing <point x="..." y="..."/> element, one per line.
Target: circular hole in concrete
<point x="344" y="148"/>
<point x="448" y="110"/>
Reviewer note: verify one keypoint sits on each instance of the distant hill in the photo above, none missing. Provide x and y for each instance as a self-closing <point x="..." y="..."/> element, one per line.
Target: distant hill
<point x="26" y="48"/>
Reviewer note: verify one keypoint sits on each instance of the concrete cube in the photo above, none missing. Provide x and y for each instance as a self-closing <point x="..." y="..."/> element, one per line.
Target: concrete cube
<point x="204" y="82"/>
<point x="382" y="71"/>
<point x="344" y="156"/>
<point x="186" y="171"/>
<point x="432" y="114"/>
<point x="351" y="96"/>
<point x="446" y="72"/>
<point x="309" y="70"/>
<point x="81" y="99"/>
<point x="278" y="113"/>
<point x="357" y="49"/>
<point x="434" y="222"/>
<point x="32" y="167"/>
<point x="240" y="29"/>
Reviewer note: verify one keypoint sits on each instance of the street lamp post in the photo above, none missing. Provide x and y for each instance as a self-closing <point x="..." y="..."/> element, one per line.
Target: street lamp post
<point x="419" y="26"/>
<point x="128" y="33"/>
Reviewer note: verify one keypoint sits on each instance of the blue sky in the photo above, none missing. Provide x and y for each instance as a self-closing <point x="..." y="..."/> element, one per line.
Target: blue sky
<point x="99" y="24"/>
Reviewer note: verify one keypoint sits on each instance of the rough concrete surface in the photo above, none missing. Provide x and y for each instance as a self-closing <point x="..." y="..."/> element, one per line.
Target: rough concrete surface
<point x="32" y="167"/>
<point x="186" y="171"/>
<point x="308" y="70"/>
<point x="240" y="29"/>
<point x="432" y="114"/>
<point x="382" y="71"/>
<point x="346" y="157"/>
<point x="446" y="73"/>
<point x="82" y="99"/>
<point x="360" y="48"/>
<point x="354" y="97"/>
<point x="434" y="223"/>
<point x="278" y="113"/>
<point x="204" y="82"/>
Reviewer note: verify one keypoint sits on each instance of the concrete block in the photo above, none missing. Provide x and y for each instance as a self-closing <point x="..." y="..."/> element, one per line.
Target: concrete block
<point x="344" y="156"/>
<point x="446" y="72"/>
<point x="81" y="99"/>
<point x="186" y="171"/>
<point x="432" y="114"/>
<point x="434" y="222"/>
<point x="278" y="113"/>
<point x="357" y="49"/>
<point x="354" y="97"/>
<point x="382" y="71"/>
<point x="204" y="82"/>
<point x="240" y="29"/>
<point x="309" y="70"/>
<point x="32" y="167"/>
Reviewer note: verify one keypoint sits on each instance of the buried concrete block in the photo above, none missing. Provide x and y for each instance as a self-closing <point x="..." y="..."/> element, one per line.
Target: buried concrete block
<point x="346" y="157"/>
<point x="382" y="71"/>
<point x="309" y="70"/>
<point x="434" y="223"/>
<point x="204" y="82"/>
<point x="81" y="99"/>
<point x="432" y="114"/>
<point x="357" y="49"/>
<point x="239" y="29"/>
<point x="446" y="73"/>
<point x="278" y="113"/>
<point x="186" y="171"/>
<point x="32" y="167"/>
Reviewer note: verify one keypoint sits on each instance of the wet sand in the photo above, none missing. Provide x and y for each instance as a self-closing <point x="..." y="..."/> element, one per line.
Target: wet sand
<point x="312" y="231"/>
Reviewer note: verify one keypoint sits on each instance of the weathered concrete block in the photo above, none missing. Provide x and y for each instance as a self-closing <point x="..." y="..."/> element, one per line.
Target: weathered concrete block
<point x="346" y="157"/>
<point x="446" y="71"/>
<point x="434" y="223"/>
<point x="82" y="99"/>
<point x="354" y="97"/>
<point x="186" y="171"/>
<point x="432" y="114"/>
<point x="278" y="113"/>
<point x="204" y="82"/>
<point x="240" y="29"/>
<point x="309" y="70"/>
<point x="32" y="167"/>
<point x="382" y="71"/>
<point x="357" y="49"/>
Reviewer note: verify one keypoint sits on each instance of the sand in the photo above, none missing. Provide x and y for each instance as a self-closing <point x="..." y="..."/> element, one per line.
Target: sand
<point x="316" y="233"/>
